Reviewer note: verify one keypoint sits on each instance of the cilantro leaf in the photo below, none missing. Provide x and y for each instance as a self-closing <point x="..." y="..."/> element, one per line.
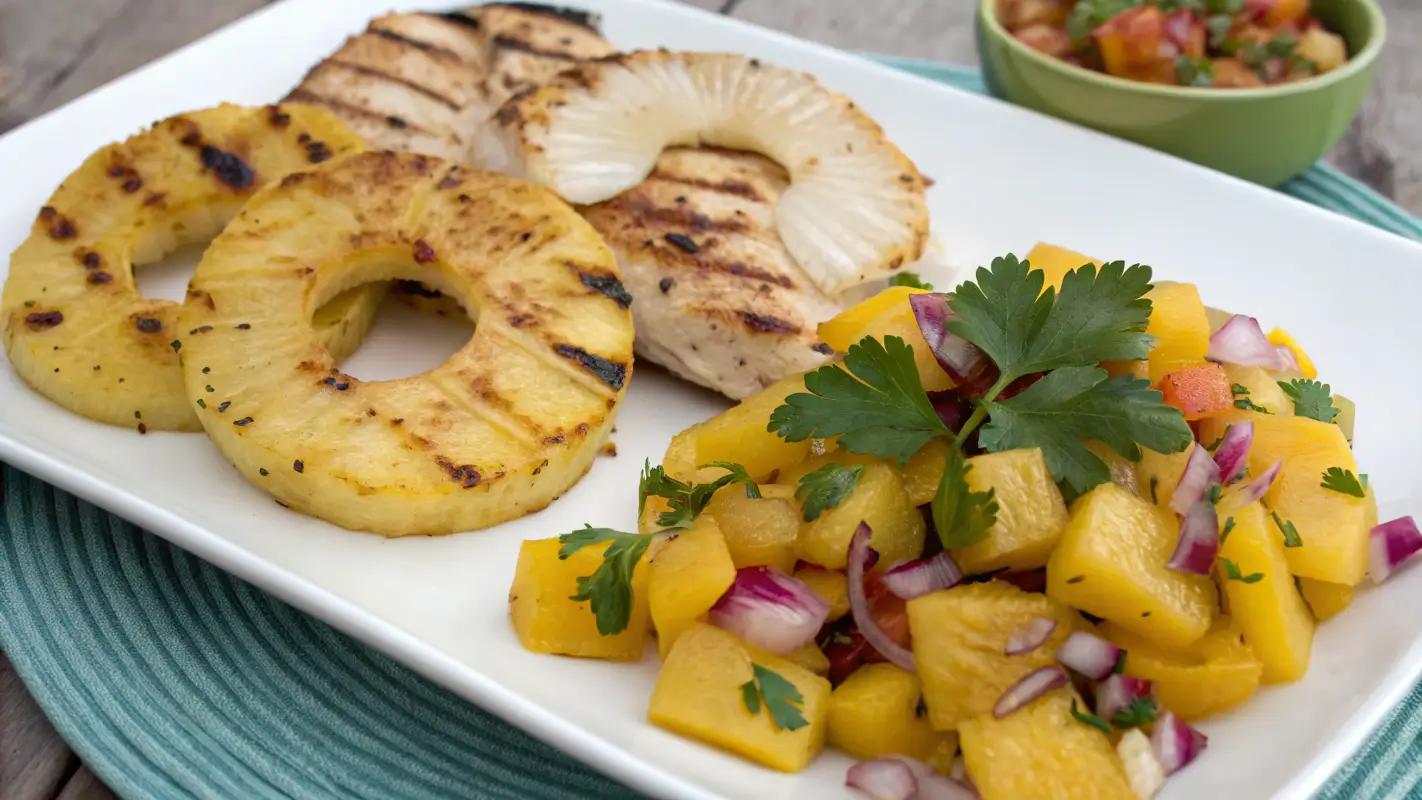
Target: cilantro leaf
<point x="1096" y="317"/>
<point x="1244" y="403"/>
<point x="1343" y="481"/>
<point x="1233" y="573"/>
<point x="1074" y="402"/>
<point x="779" y="695"/>
<point x="609" y="588"/>
<point x="1088" y="15"/>
<point x="1229" y="526"/>
<point x="911" y="280"/>
<point x="657" y="483"/>
<point x="1281" y="46"/>
<point x="1087" y="718"/>
<point x="874" y="403"/>
<point x="1291" y="534"/>
<point x="687" y="501"/>
<point x="961" y="515"/>
<point x="738" y="474"/>
<point x="1218" y="26"/>
<point x="827" y="487"/>
<point x="1194" y="71"/>
<point x="1311" y="399"/>
<point x="1141" y="711"/>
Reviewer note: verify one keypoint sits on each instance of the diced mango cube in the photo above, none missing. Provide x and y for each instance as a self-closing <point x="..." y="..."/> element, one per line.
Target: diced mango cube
<point x="877" y="712"/>
<point x="1180" y="328"/>
<point x="758" y="531"/>
<point x="687" y="575"/>
<point x="959" y="638"/>
<point x="740" y="434"/>
<point x="1030" y="512"/>
<point x="1326" y="599"/>
<point x="548" y="620"/>
<point x="679" y="462"/>
<point x="1157" y="474"/>
<point x="1056" y="262"/>
<point x="923" y="472"/>
<point x="1263" y="389"/>
<point x="879" y="500"/>
<point x="847" y="327"/>
<point x="1111" y="562"/>
<point x="887" y="313"/>
<point x="699" y="694"/>
<point x="1215" y="674"/>
<point x="829" y="584"/>
<point x="812" y="658"/>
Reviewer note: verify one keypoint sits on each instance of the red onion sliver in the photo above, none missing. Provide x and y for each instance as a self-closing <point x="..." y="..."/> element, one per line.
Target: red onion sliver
<point x="771" y="610"/>
<point x="1241" y="341"/>
<point x="1200" y="471"/>
<point x="1031" y="636"/>
<point x="1287" y="360"/>
<point x="1177" y="28"/>
<point x="1176" y="744"/>
<point x="958" y="357"/>
<point x="859" y="558"/>
<point x="1199" y="540"/>
<point x="1232" y="454"/>
<point x="1259" y="487"/>
<point x="1390" y="544"/>
<point x="1118" y="692"/>
<point x="882" y="779"/>
<point x="1032" y="686"/>
<point x="924" y="576"/>
<point x="1089" y="655"/>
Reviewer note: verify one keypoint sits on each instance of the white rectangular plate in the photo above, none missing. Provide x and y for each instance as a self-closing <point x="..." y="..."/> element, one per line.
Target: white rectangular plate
<point x="1005" y="179"/>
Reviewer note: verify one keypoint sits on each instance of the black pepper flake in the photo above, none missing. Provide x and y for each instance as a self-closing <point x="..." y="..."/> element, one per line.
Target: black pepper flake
<point x="177" y="345"/>
<point x="1077" y="579"/>
<point x="395" y="122"/>
<point x="210" y="389"/>
<point x="263" y="471"/>
<point x="142" y="428"/>
<point x="525" y="236"/>
<point x="821" y="347"/>
<point x="244" y="326"/>
<point x="1145" y="613"/>
<point x="243" y="422"/>
<point x="303" y="138"/>
<point x="200" y="329"/>
<point x="132" y="185"/>
<point x="99" y="277"/>
<point x="201" y="403"/>
<point x="681" y="198"/>
<point x="29" y="304"/>
<point x="684" y="242"/>
<point x="92" y="260"/>
<point x="370" y="412"/>
<point x="298" y="466"/>
<point x="151" y="325"/>
<point x="138" y="415"/>
<point x="206" y="370"/>
<point x="341" y="387"/>
<point x="223" y="408"/>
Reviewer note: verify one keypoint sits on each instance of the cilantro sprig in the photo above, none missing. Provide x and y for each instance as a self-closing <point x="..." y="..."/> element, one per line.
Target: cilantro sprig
<point x="1343" y="481"/>
<point x="779" y="696"/>
<point x="1311" y="399"/>
<point x="1233" y="572"/>
<point x="1088" y="718"/>
<point x="1286" y="527"/>
<point x="911" y="280"/>
<point x="686" y="500"/>
<point x="1141" y="711"/>
<point x="826" y="488"/>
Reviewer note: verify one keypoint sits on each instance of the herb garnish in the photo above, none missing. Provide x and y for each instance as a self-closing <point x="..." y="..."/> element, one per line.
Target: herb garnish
<point x="1141" y="711"/>
<point x="1233" y="573"/>
<point x="687" y="501"/>
<point x="1228" y="526"/>
<point x="911" y="280"/>
<point x="779" y="696"/>
<point x="1291" y="534"/>
<point x="826" y="488"/>
<point x="1194" y="71"/>
<point x="1242" y="401"/>
<point x="1311" y="399"/>
<point x="1343" y="481"/>
<point x="1088" y="718"/>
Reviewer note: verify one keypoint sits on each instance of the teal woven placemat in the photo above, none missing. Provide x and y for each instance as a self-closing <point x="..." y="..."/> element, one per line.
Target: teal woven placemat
<point x="172" y="679"/>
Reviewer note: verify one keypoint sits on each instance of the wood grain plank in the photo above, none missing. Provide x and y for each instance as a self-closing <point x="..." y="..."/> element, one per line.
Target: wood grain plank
<point x="85" y="785"/>
<point x="34" y="761"/>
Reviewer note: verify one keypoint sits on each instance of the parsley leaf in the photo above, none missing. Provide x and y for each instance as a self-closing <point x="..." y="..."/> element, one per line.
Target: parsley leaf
<point x="874" y="403"/>
<point x="1088" y="718"/>
<point x="1291" y="534"/>
<point x="1141" y="711"/>
<point x="1096" y="316"/>
<point x="827" y="487"/>
<point x="1246" y="404"/>
<point x="1194" y="71"/>
<point x="911" y="280"/>
<point x="738" y="474"/>
<point x="1074" y="402"/>
<point x="1233" y="573"/>
<point x="1343" y="481"/>
<point x="609" y="588"/>
<point x="780" y="697"/>
<point x="1311" y="399"/>
<point x="657" y="483"/>
<point x="687" y="501"/>
<point x="961" y="515"/>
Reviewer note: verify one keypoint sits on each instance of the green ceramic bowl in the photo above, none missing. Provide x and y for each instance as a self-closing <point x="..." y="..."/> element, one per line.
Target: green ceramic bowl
<point x="1263" y="135"/>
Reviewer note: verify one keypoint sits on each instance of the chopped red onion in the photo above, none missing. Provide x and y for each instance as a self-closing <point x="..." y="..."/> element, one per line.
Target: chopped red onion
<point x="1176" y="744"/>
<point x="1287" y="360"/>
<point x="1200" y="472"/>
<point x="1032" y="686"/>
<point x="1118" y="692"/>
<point x="1199" y="541"/>
<point x="1177" y="28"/>
<point x="1089" y="655"/>
<point x="1390" y="544"/>
<point x="1241" y="341"/>
<point x="924" y="576"/>
<point x="904" y="778"/>
<point x="1031" y="636"/>
<point x="1259" y="487"/>
<point x="771" y="610"/>
<point x="958" y="357"/>
<point x="1231" y="456"/>
<point x="860" y="554"/>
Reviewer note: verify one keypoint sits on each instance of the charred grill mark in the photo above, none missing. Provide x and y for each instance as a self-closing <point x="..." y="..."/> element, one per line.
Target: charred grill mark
<point x="729" y="186"/>
<point x="44" y="320"/>
<point x="607" y="285"/>
<point x="132" y="185"/>
<point x="56" y="224"/>
<point x="155" y="198"/>
<point x="761" y="323"/>
<point x="559" y="439"/>
<point x="465" y="474"/>
<point x="458" y="18"/>
<point x="684" y="242"/>
<point x="609" y="372"/>
<point x="419" y="44"/>
<point x="99" y="277"/>
<point x="583" y="19"/>
<point x="342" y="107"/>
<point x="277" y="117"/>
<point x="316" y="152"/>
<point x="646" y="213"/>
<point x="149" y="324"/>
<point x="396" y="122"/>
<point x="228" y="167"/>
<point x="91" y="260"/>
<point x="387" y="77"/>
<point x="522" y="46"/>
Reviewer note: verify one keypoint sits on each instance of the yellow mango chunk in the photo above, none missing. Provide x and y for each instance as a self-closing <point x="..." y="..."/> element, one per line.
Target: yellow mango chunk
<point x="1030" y="512"/>
<point x="1263" y="388"/>
<point x="880" y="500"/>
<point x="1180" y="328"/>
<point x="812" y="658"/>
<point x="1041" y="752"/>
<point x="687" y="575"/>
<point x="1123" y="470"/>
<point x="1279" y="336"/>
<point x="1326" y="599"/>
<point x="1158" y="473"/>
<point x="1056" y="262"/>
<point x="1111" y="562"/>
<point x="1213" y="427"/>
<point x="758" y="531"/>
<point x="923" y="472"/>
<point x="875" y="713"/>
<point x="739" y="434"/>
<point x="847" y="327"/>
<point x="698" y="694"/>
<point x="829" y="584"/>
<point x="548" y="620"/>
<point x="1276" y="622"/>
<point x="959" y="639"/>
<point x="1215" y="674"/>
<point x="900" y="321"/>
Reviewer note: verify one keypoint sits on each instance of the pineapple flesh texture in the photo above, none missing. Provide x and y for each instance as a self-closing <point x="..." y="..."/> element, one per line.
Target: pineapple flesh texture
<point x="74" y="324"/>
<point x="498" y="431"/>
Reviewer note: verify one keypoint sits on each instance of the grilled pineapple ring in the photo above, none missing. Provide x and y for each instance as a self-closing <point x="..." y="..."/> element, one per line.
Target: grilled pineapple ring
<point x="498" y="431"/>
<point x="854" y="211"/>
<point x="74" y="324"/>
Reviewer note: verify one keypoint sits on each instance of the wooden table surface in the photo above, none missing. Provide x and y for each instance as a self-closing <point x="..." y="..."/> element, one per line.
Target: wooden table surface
<point x="52" y="51"/>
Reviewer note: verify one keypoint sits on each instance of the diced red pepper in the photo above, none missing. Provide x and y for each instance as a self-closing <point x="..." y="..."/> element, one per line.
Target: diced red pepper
<point x="1198" y="391"/>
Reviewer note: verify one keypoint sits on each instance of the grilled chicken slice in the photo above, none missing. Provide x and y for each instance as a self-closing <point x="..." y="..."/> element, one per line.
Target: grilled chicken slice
<point x="74" y="324"/>
<point x="719" y="301"/>
<point x="417" y="82"/>
<point x="498" y="431"/>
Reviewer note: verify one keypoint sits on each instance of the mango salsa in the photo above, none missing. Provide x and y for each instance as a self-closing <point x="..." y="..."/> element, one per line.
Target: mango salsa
<point x="1215" y="674"/>
<point x="1158" y="473"/>
<point x="829" y="584"/>
<point x="880" y="500"/>
<point x="1180" y="328"/>
<point x="1262" y="387"/>
<point x="1326" y="599"/>
<point x="758" y="531"/>
<point x="877" y="711"/>
<point x="923" y="472"/>
<point x="847" y="327"/>
<point x="699" y="694"/>
<point x="1030" y="513"/>
<point x="739" y="434"/>
<point x="548" y="620"/>
<point x="887" y="313"/>
<point x="1198" y="391"/>
<point x="1111" y="562"/>
<point x="688" y="574"/>
<point x="1056" y="262"/>
<point x="1279" y="336"/>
